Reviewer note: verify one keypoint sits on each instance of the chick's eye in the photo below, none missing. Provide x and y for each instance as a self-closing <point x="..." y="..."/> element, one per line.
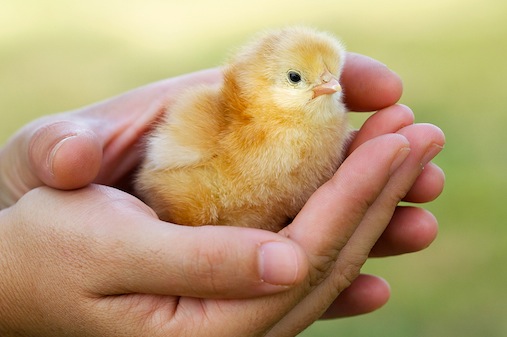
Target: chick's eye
<point x="294" y="77"/>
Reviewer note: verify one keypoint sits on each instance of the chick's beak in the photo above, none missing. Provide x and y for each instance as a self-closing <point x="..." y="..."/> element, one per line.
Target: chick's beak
<point x="327" y="87"/>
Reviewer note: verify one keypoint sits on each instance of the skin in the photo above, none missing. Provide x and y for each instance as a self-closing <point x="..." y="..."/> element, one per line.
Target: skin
<point x="96" y="261"/>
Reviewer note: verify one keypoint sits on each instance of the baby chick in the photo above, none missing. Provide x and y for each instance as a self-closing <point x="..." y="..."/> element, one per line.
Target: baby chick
<point x="250" y="151"/>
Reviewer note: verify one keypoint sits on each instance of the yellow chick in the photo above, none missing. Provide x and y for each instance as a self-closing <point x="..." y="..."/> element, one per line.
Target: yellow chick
<point x="250" y="151"/>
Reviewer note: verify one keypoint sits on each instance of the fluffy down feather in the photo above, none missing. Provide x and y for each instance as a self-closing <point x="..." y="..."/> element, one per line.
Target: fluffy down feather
<point x="250" y="151"/>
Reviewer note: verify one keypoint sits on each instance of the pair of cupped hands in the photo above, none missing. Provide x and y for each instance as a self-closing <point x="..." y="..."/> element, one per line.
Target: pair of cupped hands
<point x="79" y="257"/>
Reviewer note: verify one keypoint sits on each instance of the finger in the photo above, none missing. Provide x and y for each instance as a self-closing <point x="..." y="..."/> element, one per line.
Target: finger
<point x="388" y="120"/>
<point x="428" y="186"/>
<point x="411" y="229"/>
<point x="367" y="293"/>
<point x="208" y="262"/>
<point x="430" y="183"/>
<point x="121" y="122"/>
<point x="133" y="252"/>
<point x="368" y="84"/>
<point x="63" y="155"/>
<point x="373" y="221"/>
<point x="331" y="215"/>
<point x="384" y="121"/>
<point x="96" y="143"/>
<point x="426" y="141"/>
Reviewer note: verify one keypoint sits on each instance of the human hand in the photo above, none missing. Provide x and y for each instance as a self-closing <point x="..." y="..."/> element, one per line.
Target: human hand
<point x="101" y="143"/>
<point x="105" y="127"/>
<point x="96" y="261"/>
<point x="98" y="143"/>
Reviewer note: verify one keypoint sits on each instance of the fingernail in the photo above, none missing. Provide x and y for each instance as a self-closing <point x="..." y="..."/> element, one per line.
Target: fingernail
<point x="430" y="153"/>
<point x="399" y="159"/>
<point x="54" y="150"/>
<point x="278" y="263"/>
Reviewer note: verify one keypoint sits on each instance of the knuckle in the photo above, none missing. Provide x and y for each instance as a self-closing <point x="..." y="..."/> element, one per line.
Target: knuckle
<point x="346" y="272"/>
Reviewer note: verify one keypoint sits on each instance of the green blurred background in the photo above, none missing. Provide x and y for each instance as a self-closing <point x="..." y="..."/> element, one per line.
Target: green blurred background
<point x="57" y="55"/>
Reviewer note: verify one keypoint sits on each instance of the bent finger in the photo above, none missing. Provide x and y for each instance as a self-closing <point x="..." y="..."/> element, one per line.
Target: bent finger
<point x="64" y="155"/>
<point x="411" y="229"/>
<point x="426" y="141"/>
<point x="333" y="212"/>
<point x="388" y="120"/>
<point x="428" y="186"/>
<point x="61" y="154"/>
<point x="367" y="293"/>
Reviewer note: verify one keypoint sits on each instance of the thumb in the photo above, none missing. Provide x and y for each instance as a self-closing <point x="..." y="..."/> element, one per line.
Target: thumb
<point x="128" y="250"/>
<point x="61" y="154"/>
<point x="199" y="262"/>
<point x="97" y="146"/>
<point x="64" y="155"/>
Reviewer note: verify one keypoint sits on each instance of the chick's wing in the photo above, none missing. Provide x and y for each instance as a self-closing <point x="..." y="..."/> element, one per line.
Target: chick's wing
<point x="189" y="133"/>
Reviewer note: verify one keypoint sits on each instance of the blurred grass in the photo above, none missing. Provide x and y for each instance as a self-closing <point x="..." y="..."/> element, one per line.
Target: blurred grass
<point x="60" y="55"/>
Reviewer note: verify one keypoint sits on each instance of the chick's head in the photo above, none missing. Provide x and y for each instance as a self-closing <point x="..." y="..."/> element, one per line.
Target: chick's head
<point x="296" y="68"/>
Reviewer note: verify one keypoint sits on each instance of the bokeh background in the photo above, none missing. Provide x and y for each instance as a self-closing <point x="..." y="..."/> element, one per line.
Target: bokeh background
<point x="57" y="55"/>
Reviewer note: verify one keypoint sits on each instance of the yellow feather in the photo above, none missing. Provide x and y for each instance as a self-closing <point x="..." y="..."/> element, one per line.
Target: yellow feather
<point x="252" y="151"/>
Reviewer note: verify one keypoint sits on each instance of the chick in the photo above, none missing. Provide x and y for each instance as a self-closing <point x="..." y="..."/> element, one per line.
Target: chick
<point x="250" y="151"/>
